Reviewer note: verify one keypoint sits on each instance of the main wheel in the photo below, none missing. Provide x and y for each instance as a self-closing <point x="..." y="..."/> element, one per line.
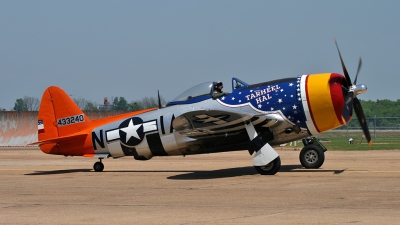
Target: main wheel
<point x="271" y="168"/>
<point x="312" y="156"/>
<point x="98" y="166"/>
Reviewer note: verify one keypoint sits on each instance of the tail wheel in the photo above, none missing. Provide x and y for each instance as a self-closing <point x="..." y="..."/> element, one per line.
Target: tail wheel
<point x="312" y="156"/>
<point x="271" y="168"/>
<point x="98" y="166"/>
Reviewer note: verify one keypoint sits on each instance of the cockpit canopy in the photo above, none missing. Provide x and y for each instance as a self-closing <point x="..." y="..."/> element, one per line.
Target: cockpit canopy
<point x="202" y="92"/>
<point x="199" y="90"/>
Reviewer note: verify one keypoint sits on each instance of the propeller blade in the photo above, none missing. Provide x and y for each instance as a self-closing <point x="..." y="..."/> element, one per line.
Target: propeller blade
<point x="361" y="118"/>
<point x="347" y="107"/>
<point x="346" y="74"/>
<point x="358" y="70"/>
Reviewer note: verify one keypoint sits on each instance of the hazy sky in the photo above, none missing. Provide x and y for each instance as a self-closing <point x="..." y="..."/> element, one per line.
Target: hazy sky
<point x="97" y="49"/>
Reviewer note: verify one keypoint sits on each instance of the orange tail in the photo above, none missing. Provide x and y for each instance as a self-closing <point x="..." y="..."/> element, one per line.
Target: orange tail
<point x="59" y="116"/>
<point x="63" y="129"/>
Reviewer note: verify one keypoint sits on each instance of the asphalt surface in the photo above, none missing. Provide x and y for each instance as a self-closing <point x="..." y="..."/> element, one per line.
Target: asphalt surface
<point x="350" y="188"/>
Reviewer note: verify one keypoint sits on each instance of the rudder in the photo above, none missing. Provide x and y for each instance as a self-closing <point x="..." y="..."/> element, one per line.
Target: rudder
<point x="59" y="115"/>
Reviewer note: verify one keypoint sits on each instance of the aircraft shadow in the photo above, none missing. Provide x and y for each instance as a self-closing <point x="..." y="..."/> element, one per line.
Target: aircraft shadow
<point x="215" y="174"/>
<point x="194" y="174"/>
<point x="243" y="171"/>
<point x="58" y="172"/>
<point x="224" y="173"/>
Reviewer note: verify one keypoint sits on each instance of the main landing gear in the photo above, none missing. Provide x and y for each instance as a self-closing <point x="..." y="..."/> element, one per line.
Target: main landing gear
<point x="271" y="168"/>
<point x="266" y="160"/>
<point x="312" y="156"/>
<point x="98" y="166"/>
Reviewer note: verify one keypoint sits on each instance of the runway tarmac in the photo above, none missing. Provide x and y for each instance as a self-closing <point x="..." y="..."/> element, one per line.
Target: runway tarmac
<point x="351" y="188"/>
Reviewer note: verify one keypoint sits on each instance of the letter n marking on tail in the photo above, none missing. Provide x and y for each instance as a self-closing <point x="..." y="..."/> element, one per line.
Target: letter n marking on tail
<point x="96" y="139"/>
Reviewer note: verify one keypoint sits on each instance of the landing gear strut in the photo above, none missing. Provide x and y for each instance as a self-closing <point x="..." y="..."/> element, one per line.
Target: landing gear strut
<point x="98" y="166"/>
<point x="312" y="156"/>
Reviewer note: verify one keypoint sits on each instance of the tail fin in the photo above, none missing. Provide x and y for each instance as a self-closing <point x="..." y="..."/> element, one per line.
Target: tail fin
<point x="59" y="116"/>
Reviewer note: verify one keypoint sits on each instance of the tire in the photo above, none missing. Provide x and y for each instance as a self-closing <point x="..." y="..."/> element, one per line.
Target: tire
<point x="271" y="168"/>
<point x="98" y="167"/>
<point x="312" y="156"/>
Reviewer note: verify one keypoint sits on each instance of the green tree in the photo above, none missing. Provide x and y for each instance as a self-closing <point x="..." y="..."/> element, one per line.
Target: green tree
<point x="134" y="106"/>
<point x="120" y="104"/>
<point x="20" y="105"/>
<point x="385" y="110"/>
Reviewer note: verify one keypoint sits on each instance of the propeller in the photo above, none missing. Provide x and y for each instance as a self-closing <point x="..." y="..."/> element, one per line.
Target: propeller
<point x="350" y="98"/>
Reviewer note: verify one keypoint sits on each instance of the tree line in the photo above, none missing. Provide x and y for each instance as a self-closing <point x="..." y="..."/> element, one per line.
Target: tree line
<point x="380" y="113"/>
<point x="118" y="103"/>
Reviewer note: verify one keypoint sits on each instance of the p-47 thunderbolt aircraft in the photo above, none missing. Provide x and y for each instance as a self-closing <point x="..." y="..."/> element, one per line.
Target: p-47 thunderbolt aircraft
<point x="252" y="117"/>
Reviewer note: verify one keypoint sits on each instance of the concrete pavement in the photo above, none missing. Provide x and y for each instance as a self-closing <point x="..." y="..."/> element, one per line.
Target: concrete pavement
<point x="350" y="188"/>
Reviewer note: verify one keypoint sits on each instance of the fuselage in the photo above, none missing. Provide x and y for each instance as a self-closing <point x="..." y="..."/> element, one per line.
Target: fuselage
<point x="285" y="110"/>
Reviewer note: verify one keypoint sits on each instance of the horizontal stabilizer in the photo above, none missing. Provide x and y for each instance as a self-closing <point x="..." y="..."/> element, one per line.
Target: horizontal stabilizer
<point x="60" y="139"/>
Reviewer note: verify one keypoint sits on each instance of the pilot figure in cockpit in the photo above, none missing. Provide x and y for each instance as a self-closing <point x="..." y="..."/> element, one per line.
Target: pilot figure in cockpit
<point x="218" y="90"/>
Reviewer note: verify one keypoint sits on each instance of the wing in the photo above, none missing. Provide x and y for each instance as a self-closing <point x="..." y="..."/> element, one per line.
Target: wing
<point x="205" y="123"/>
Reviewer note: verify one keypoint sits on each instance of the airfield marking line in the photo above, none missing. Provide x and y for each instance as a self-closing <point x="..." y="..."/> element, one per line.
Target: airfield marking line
<point x="370" y="171"/>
